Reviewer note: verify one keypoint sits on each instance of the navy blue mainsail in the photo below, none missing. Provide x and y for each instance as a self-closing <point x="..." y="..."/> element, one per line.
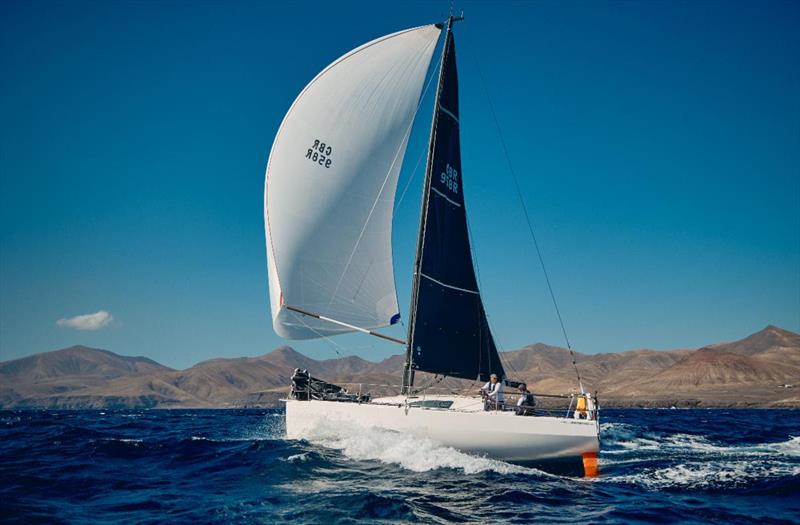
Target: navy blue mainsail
<point x="449" y="333"/>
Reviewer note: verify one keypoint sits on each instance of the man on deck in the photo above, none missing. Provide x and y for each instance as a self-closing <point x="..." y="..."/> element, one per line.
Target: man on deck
<point x="526" y="401"/>
<point x="493" y="393"/>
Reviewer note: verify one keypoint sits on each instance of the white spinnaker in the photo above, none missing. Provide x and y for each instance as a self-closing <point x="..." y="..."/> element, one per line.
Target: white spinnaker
<point x="330" y="187"/>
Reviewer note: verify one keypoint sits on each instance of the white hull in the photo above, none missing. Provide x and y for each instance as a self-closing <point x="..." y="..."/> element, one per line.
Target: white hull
<point x="466" y="427"/>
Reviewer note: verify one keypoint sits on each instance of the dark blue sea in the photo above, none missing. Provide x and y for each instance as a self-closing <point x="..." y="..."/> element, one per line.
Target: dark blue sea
<point x="234" y="466"/>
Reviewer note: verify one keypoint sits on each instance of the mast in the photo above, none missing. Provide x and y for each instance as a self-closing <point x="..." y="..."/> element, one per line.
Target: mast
<point x="408" y="371"/>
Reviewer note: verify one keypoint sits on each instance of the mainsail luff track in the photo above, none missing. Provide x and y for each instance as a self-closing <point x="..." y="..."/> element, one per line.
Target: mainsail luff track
<point x="449" y="333"/>
<point x="408" y="370"/>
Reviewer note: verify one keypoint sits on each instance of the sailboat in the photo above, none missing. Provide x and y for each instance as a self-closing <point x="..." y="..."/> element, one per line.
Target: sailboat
<point x="329" y="200"/>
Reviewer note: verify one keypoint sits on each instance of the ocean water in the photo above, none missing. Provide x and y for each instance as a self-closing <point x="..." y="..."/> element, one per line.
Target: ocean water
<point x="235" y="466"/>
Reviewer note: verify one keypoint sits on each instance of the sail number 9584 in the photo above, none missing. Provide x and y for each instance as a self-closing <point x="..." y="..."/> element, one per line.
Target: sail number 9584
<point x="320" y="153"/>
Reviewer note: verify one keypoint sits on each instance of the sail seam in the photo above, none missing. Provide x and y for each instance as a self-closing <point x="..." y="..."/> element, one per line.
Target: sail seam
<point x="448" y="285"/>
<point x="448" y="199"/>
<point x="449" y="113"/>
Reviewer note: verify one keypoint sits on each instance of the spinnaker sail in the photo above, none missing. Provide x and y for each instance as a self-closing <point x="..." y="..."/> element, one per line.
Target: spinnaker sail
<point x="330" y="187"/>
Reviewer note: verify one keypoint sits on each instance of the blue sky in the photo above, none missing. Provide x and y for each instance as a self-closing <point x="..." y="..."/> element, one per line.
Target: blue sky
<point x="657" y="145"/>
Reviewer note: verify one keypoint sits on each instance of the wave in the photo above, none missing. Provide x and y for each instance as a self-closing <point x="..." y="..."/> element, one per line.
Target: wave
<point x="789" y="448"/>
<point x="302" y="457"/>
<point x="709" y="474"/>
<point x="410" y="452"/>
<point x="688" y="444"/>
<point x="737" y="467"/>
<point x="270" y="428"/>
<point x="692" y="461"/>
<point x="10" y="421"/>
<point x="127" y="440"/>
<point x="623" y="438"/>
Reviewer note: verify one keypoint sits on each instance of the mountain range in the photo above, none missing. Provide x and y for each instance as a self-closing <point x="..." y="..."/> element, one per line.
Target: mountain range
<point x="762" y="370"/>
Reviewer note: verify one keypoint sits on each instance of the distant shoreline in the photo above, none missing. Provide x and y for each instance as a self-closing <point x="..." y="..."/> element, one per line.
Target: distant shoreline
<point x="759" y="371"/>
<point x="278" y="405"/>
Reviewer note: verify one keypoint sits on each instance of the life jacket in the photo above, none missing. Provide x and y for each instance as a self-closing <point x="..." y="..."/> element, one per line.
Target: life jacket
<point x="580" y="406"/>
<point x="527" y="399"/>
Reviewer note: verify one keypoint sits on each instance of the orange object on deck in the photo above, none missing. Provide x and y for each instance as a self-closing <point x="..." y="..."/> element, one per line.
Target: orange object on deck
<point x="590" y="468"/>
<point x="580" y="407"/>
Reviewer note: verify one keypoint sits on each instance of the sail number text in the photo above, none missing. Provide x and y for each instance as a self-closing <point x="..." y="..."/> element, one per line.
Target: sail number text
<point x="320" y="153"/>
<point x="449" y="177"/>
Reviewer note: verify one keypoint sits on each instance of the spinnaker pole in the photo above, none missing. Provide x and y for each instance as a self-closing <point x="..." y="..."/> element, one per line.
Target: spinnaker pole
<point x="345" y="325"/>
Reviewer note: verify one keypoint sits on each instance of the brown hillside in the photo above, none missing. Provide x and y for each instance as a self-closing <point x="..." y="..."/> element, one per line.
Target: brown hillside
<point x="75" y="361"/>
<point x="749" y="372"/>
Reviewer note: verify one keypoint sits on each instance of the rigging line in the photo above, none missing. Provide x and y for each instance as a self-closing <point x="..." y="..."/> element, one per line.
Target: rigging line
<point x="435" y="381"/>
<point x="411" y="178"/>
<point x="333" y="344"/>
<point x="474" y="254"/>
<point x="380" y="192"/>
<point x="470" y="388"/>
<point x="527" y="215"/>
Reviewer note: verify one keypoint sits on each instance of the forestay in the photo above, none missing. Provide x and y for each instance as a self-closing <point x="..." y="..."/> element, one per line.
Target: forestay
<point x="330" y="187"/>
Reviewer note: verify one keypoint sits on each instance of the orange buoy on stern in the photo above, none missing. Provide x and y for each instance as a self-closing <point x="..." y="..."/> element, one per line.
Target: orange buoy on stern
<point x="590" y="468"/>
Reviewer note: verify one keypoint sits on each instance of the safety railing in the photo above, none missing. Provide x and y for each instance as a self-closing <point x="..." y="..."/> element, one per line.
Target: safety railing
<point x="578" y="406"/>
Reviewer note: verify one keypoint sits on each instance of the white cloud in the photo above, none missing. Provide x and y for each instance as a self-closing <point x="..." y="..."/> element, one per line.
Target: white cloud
<point x="93" y="321"/>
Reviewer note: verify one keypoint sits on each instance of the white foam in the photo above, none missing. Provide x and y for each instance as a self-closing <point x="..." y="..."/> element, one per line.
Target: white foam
<point x="697" y="462"/>
<point x="623" y="438"/>
<point x="298" y="457"/>
<point x="412" y="453"/>
<point x="135" y="441"/>
<point x="788" y="448"/>
<point x="273" y="426"/>
<point x="615" y="429"/>
<point x="267" y="429"/>
<point x="707" y="474"/>
<point x="698" y="445"/>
